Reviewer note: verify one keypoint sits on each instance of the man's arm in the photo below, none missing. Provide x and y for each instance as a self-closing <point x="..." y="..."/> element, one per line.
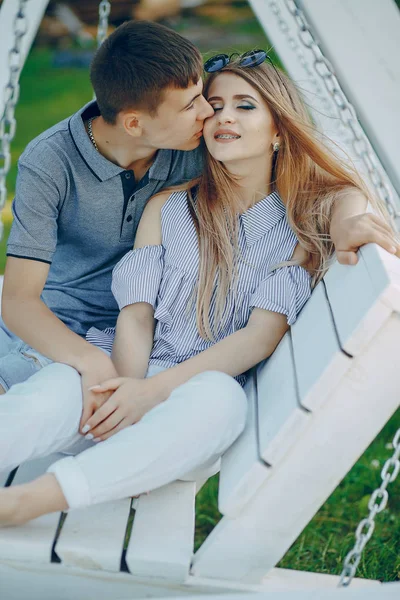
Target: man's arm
<point x="28" y="317"/>
<point x="31" y="245"/>
<point x="352" y="227"/>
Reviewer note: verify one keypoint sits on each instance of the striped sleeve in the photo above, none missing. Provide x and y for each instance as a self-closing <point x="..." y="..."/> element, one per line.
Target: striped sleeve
<point x="137" y="276"/>
<point x="284" y="291"/>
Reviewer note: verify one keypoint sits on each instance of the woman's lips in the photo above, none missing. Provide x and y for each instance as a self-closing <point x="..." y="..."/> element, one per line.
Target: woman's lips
<point x="225" y="136"/>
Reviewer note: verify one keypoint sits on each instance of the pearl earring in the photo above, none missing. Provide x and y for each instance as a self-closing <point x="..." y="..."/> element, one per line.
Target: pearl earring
<point x="276" y="147"/>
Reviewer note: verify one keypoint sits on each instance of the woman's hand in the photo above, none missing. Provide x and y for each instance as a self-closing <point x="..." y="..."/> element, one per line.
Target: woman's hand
<point x="349" y="234"/>
<point x="99" y="367"/>
<point x="130" y="401"/>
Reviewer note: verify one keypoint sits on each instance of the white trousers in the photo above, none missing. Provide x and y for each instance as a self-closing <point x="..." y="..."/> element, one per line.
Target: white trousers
<point x="187" y="432"/>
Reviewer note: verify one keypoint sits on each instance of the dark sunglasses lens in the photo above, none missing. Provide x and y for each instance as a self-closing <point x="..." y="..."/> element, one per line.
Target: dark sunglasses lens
<point x="216" y="63"/>
<point x="253" y="58"/>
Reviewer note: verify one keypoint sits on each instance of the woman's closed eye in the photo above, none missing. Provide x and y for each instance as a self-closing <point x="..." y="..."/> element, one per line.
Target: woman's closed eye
<point x="218" y="107"/>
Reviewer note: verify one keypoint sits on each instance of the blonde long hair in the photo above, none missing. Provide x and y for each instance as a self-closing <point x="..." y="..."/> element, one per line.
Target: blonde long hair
<point x="308" y="176"/>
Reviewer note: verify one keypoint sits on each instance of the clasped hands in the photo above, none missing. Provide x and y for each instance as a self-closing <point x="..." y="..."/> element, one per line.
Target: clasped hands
<point x="118" y="403"/>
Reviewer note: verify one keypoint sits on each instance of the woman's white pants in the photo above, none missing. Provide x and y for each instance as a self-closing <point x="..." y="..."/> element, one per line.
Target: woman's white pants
<point x="187" y="432"/>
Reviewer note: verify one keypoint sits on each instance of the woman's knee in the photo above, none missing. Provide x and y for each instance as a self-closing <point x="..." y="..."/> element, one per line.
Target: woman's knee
<point x="223" y="394"/>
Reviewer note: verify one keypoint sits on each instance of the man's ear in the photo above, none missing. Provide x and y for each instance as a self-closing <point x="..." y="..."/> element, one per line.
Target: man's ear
<point x="131" y="122"/>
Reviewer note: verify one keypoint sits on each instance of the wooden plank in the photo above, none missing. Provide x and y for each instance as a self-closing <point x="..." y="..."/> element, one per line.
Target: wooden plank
<point x="242" y="472"/>
<point x="348" y="421"/>
<point x="320" y="364"/>
<point x="357" y="302"/>
<point x="93" y="538"/>
<point x="281" y="420"/>
<point x="161" y="544"/>
<point x="33" y="541"/>
<point x="360" y="64"/>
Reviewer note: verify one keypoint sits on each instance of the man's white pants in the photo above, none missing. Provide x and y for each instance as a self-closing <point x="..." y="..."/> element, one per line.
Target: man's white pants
<point x="190" y="430"/>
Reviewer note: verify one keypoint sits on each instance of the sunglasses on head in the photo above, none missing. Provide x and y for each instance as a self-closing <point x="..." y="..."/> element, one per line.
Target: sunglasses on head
<point x="252" y="58"/>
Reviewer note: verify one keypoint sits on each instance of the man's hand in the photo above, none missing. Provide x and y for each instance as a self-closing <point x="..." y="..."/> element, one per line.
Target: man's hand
<point x="131" y="400"/>
<point x="349" y="234"/>
<point x="99" y="368"/>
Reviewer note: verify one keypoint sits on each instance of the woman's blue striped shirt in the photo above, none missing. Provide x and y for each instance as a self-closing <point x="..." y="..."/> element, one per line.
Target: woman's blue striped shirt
<point x="166" y="275"/>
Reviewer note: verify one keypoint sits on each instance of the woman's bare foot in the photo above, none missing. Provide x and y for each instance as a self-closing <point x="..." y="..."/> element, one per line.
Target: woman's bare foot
<point x="21" y="503"/>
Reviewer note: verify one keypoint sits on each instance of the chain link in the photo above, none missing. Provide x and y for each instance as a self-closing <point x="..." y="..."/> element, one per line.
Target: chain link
<point x="8" y="124"/>
<point x="345" y="110"/>
<point x="304" y="63"/>
<point x="377" y="503"/>
<point x="102" y="29"/>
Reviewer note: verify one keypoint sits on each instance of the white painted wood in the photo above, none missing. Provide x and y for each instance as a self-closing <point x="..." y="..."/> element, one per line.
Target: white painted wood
<point x="366" y="70"/>
<point x="319" y="362"/>
<point x="34" y="11"/>
<point x="33" y="541"/>
<point x="242" y="472"/>
<point x="359" y="299"/>
<point x="47" y="582"/>
<point x="281" y="420"/>
<point x="93" y="538"/>
<point x="30" y="543"/>
<point x="161" y="543"/>
<point x="308" y="474"/>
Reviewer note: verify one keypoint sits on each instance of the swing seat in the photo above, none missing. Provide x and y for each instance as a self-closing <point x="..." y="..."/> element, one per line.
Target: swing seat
<point x="314" y="407"/>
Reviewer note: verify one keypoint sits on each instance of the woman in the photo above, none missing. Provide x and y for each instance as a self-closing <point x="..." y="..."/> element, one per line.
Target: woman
<point x="216" y="277"/>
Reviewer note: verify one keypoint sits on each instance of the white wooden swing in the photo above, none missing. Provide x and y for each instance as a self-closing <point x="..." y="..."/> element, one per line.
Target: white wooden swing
<point x="314" y="406"/>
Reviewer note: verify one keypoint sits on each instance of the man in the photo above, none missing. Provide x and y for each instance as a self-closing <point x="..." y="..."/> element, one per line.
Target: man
<point x="81" y="189"/>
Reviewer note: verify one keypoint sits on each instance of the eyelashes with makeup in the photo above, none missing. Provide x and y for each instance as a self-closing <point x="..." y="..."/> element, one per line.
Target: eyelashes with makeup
<point x="242" y="107"/>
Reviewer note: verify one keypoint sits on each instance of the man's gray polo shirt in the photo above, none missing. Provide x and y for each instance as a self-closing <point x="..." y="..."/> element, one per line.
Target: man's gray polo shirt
<point x="79" y="212"/>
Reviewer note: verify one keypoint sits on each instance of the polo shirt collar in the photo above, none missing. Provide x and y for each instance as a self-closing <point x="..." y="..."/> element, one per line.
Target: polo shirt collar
<point x="261" y="217"/>
<point x="102" y="168"/>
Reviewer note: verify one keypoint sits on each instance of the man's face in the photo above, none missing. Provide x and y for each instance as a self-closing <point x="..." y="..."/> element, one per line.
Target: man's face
<point x="178" y="124"/>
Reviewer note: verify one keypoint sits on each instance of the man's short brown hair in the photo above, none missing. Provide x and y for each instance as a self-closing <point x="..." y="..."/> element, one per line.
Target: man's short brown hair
<point x="137" y="62"/>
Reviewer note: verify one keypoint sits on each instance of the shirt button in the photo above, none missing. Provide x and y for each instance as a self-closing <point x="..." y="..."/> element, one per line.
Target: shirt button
<point x="128" y="175"/>
<point x="129" y="218"/>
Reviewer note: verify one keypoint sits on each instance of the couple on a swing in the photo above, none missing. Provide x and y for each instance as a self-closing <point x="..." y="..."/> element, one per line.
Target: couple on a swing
<point x="164" y="239"/>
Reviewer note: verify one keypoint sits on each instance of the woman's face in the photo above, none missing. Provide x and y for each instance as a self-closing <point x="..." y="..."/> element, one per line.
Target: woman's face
<point x="242" y="127"/>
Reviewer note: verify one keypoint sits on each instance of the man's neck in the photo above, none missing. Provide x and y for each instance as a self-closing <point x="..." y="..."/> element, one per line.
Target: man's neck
<point x="119" y="148"/>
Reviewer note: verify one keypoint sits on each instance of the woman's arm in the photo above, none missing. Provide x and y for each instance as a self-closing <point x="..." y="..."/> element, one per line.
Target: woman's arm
<point x="133" y="340"/>
<point x="135" y="325"/>
<point x="352" y="227"/>
<point x="233" y="355"/>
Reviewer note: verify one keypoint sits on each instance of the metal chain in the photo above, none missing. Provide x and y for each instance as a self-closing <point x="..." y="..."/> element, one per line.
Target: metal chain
<point x="320" y="93"/>
<point x="8" y="124"/>
<point x="377" y="503"/>
<point x="102" y="29"/>
<point x="346" y="112"/>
